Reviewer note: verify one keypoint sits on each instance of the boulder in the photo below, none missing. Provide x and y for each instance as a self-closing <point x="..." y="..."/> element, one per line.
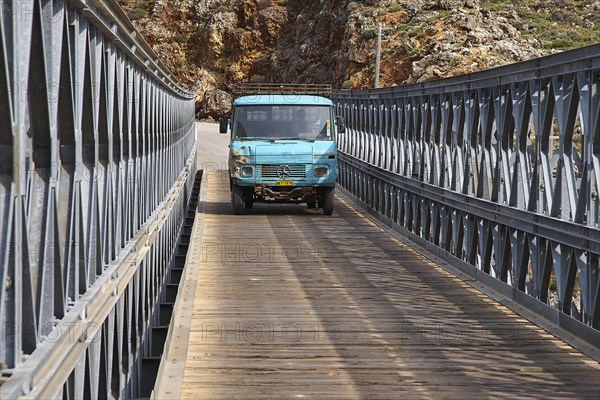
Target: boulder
<point x="216" y="104"/>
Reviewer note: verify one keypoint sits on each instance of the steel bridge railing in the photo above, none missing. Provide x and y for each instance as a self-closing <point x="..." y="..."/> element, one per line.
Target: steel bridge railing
<point x="497" y="170"/>
<point x="97" y="150"/>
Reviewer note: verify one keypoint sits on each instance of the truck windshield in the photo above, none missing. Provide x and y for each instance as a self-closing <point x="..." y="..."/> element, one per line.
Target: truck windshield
<point x="283" y="122"/>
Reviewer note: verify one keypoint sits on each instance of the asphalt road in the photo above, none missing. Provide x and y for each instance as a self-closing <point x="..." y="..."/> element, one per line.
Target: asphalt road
<point x="212" y="147"/>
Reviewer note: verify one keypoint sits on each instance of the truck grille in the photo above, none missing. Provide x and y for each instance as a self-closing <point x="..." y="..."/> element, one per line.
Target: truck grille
<point x="270" y="171"/>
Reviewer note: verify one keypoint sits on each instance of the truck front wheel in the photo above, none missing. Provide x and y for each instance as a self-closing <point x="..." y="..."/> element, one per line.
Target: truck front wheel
<point x="237" y="199"/>
<point x="248" y="199"/>
<point x="328" y="197"/>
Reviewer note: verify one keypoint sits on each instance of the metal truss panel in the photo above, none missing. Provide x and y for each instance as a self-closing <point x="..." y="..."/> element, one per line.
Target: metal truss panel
<point x="96" y="162"/>
<point x="499" y="169"/>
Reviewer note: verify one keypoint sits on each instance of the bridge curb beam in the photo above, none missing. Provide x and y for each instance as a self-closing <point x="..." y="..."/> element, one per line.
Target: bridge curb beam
<point x="172" y="365"/>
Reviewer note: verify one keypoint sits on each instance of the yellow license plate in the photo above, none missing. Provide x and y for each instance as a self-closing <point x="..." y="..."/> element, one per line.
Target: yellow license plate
<point x="284" y="183"/>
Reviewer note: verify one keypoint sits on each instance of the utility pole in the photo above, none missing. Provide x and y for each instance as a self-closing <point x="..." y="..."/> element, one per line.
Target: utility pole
<point x="378" y="55"/>
<point x="379" y="29"/>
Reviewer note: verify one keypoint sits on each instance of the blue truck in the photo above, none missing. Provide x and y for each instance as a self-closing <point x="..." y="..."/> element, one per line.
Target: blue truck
<point x="283" y="145"/>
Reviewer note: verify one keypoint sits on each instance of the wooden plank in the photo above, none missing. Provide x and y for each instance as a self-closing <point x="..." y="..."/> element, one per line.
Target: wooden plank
<point x="293" y="304"/>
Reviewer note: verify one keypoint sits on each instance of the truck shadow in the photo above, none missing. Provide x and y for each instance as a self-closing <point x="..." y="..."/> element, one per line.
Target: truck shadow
<point x="268" y="209"/>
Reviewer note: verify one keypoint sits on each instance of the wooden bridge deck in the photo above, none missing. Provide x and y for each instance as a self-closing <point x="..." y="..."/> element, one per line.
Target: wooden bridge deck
<point x="292" y="304"/>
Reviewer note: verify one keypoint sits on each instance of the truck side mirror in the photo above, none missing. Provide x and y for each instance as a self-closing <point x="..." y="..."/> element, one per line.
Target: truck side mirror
<point x="223" y="122"/>
<point x="341" y="124"/>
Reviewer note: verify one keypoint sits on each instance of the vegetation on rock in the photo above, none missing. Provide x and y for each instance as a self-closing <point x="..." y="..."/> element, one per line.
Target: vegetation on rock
<point x="212" y="44"/>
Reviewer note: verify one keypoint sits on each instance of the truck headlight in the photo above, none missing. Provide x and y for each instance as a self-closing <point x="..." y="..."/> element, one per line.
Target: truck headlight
<point x="247" y="171"/>
<point x="321" y="170"/>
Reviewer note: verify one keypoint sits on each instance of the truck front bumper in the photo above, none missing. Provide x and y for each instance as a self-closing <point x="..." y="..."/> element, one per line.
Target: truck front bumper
<point x="285" y="193"/>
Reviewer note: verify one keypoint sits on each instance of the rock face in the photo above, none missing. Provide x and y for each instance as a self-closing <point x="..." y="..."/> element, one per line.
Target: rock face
<point x="213" y="44"/>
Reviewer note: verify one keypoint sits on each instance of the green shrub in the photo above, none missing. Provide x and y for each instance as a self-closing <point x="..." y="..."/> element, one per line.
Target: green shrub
<point x="140" y="12"/>
<point x="369" y="34"/>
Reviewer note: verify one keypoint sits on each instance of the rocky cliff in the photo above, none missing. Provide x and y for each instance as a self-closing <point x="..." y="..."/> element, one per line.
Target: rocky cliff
<point x="212" y="44"/>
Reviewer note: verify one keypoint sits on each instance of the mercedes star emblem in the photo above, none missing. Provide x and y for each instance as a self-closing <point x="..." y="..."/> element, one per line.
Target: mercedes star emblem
<point x="284" y="171"/>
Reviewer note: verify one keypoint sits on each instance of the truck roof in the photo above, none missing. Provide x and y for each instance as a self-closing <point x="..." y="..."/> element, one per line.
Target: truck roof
<point x="282" y="99"/>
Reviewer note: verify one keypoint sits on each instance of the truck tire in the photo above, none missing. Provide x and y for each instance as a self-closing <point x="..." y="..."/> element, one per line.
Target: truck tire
<point x="237" y="199"/>
<point x="328" y="200"/>
<point x="248" y="199"/>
